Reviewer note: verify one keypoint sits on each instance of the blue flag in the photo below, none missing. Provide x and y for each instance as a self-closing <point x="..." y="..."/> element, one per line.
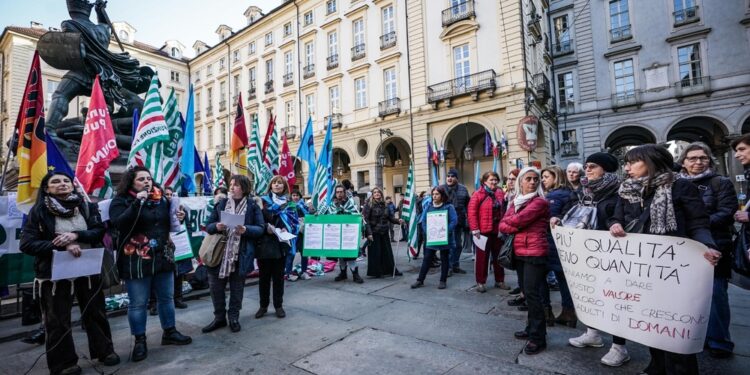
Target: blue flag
<point x="187" y="164"/>
<point x="136" y="119"/>
<point x="55" y="160"/>
<point x="306" y="152"/>
<point x="207" y="181"/>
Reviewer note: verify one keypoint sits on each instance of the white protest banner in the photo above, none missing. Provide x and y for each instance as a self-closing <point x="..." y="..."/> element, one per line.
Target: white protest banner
<point x="655" y="290"/>
<point x="10" y="225"/>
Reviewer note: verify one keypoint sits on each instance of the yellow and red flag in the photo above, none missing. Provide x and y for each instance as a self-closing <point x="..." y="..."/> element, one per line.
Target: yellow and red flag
<point x="32" y="147"/>
<point x="238" y="146"/>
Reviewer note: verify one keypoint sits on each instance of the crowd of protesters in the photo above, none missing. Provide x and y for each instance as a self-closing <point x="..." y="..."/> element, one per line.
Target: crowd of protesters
<point x="682" y="197"/>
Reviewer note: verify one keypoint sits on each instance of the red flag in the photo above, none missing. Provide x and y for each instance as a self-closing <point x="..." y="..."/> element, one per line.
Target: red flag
<point x="238" y="159"/>
<point x="98" y="146"/>
<point x="286" y="163"/>
<point x="267" y="139"/>
<point x="32" y="147"/>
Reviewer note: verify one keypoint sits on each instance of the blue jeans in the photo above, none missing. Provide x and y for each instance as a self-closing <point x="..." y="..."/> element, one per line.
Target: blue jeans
<point x="717" y="336"/>
<point x="457" y="246"/>
<point x="138" y="293"/>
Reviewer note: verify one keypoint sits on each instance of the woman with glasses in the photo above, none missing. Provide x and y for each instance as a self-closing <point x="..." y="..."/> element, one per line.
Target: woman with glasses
<point x="720" y="198"/>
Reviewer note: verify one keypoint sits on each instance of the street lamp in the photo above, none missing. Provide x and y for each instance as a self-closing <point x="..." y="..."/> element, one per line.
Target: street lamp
<point x="468" y="152"/>
<point x="381" y="155"/>
<point x="381" y="159"/>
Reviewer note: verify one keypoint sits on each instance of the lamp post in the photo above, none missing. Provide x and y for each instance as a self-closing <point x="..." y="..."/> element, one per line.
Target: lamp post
<point x="468" y="152"/>
<point x="381" y="156"/>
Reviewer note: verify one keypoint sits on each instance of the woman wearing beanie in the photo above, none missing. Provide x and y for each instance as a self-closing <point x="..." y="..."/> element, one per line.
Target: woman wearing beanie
<point x="599" y="188"/>
<point x="662" y="204"/>
<point x="527" y="218"/>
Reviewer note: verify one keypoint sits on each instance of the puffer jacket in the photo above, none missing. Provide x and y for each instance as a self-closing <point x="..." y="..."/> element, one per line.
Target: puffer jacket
<point x="557" y="199"/>
<point x="39" y="231"/>
<point x="484" y="213"/>
<point x="529" y="225"/>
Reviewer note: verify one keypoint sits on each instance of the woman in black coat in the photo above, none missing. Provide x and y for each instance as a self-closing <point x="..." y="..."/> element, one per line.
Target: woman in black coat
<point x="378" y="221"/>
<point x="61" y="220"/>
<point x="271" y="253"/>
<point x="644" y="206"/>
<point x="141" y="222"/>
<point x="720" y="198"/>
<point x="237" y="259"/>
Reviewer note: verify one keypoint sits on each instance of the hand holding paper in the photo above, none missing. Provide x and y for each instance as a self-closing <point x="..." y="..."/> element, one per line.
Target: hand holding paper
<point x="232" y="220"/>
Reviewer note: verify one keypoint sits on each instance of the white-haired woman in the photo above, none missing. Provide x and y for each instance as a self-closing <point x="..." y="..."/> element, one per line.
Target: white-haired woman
<point x="574" y="172"/>
<point x="527" y="217"/>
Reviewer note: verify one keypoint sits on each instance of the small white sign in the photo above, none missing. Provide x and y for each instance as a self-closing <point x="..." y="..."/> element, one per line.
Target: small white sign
<point x="66" y="266"/>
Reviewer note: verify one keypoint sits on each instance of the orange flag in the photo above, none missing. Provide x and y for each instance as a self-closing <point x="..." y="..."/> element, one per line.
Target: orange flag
<point x="238" y="151"/>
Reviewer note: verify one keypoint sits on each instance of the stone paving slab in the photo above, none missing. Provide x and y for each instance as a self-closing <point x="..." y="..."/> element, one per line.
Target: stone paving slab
<point x="340" y="305"/>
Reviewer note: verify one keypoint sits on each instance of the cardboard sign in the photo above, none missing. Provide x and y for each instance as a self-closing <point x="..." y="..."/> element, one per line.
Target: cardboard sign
<point x="655" y="290"/>
<point x="437" y="228"/>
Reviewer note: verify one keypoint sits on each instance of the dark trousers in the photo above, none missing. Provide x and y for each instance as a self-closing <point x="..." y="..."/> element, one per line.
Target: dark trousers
<point x="718" y="336"/>
<point x="271" y="271"/>
<point x="218" y="296"/>
<point x="429" y="254"/>
<point x="457" y="247"/>
<point x="534" y="274"/>
<point x="567" y="299"/>
<point x="668" y="363"/>
<point x="56" y="307"/>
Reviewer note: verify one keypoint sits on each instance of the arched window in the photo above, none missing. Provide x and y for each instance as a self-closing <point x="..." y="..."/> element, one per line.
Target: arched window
<point x="124" y="35"/>
<point x="175" y="52"/>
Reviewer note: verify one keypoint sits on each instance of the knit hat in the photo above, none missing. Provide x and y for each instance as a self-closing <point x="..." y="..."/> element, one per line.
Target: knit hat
<point x="604" y="160"/>
<point x="452" y="172"/>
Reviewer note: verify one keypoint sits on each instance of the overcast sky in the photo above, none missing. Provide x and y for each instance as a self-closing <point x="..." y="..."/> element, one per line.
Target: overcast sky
<point x="154" y="20"/>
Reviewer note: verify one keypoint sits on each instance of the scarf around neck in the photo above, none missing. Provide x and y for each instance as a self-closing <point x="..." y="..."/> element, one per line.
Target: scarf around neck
<point x="600" y="188"/>
<point x="232" y="249"/>
<point x="689" y="177"/>
<point x="521" y="199"/>
<point x="662" y="213"/>
<point x="63" y="207"/>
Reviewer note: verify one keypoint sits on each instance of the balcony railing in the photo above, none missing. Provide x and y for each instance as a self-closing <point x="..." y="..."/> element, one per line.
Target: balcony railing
<point x="562" y="47"/>
<point x="471" y="84"/>
<point x="388" y="40"/>
<point x="693" y="85"/>
<point x="209" y="111"/>
<point x="459" y="12"/>
<point x="222" y="105"/>
<point x="336" y="121"/>
<point x="541" y="86"/>
<point x="687" y="15"/>
<point x="626" y="98"/>
<point x="222" y="147"/>
<point x="290" y="131"/>
<point x="620" y="33"/>
<point x="358" y="51"/>
<point x="569" y="148"/>
<point x="288" y="79"/>
<point x="534" y="25"/>
<point x="269" y="86"/>
<point x="251" y="91"/>
<point x="332" y="61"/>
<point x="309" y="70"/>
<point x="389" y="106"/>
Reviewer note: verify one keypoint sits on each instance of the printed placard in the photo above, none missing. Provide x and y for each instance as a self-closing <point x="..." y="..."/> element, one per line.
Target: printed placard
<point x="655" y="290"/>
<point x="332" y="236"/>
<point x="437" y="228"/>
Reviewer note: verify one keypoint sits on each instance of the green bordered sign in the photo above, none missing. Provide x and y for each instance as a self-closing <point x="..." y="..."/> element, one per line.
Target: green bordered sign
<point x="437" y="228"/>
<point x="332" y="236"/>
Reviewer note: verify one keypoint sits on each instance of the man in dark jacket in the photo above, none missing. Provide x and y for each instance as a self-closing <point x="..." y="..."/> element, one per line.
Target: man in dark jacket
<point x="459" y="197"/>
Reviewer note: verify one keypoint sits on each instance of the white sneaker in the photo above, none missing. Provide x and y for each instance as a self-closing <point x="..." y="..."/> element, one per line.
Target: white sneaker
<point x="586" y="339"/>
<point x="616" y="357"/>
<point x="305" y="276"/>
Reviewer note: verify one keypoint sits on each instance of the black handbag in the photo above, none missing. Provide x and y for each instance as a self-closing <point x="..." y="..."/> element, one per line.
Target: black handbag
<point x="740" y="253"/>
<point x="507" y="256"/>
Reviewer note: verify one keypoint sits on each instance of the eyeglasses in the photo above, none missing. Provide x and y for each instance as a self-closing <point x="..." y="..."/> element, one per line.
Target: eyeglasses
<point x="590" y="166"/>
<point x="694" y="159"/>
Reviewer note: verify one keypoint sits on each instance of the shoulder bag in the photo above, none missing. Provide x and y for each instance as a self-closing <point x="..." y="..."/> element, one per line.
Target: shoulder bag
<point x="212" y="249"/>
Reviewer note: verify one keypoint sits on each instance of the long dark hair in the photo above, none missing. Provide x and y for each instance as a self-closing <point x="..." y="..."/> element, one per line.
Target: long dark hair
<point x="126" y="182"/>
<point x="657" y="159"/>
<point x="42" y="192"/>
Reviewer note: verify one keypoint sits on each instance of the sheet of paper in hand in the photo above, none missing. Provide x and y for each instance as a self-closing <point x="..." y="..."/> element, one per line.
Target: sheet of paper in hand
<point x="66" y="266"/>
<point x="655" y="290"/>
<point x="437" y="228"/>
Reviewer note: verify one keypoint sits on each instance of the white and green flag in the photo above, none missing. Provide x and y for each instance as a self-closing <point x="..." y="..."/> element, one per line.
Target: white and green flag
<point x="255" y="161"/>
<point x="172" y="150"/>
<point x="152" y="131"/>
<point x="409" y="213"/>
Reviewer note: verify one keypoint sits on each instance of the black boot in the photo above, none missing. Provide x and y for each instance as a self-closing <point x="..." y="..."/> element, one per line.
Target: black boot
<point x="36" y="336"/>
<point x="172" y="337"/>
<point x="341" y="276"/>
<point x="140" y="351"/>
<point x="355" y="276"/>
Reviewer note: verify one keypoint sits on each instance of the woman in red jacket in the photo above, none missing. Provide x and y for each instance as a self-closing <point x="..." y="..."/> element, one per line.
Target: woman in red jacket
<point x="484" y="214"/>
<point x="528" y="219"/>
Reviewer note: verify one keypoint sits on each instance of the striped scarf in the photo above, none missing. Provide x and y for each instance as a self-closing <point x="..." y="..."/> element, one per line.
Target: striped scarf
<point x="663" y="219"/>
<point x="232" y="250"/>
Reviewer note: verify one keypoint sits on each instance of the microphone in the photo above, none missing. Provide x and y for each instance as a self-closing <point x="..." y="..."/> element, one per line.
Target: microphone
<point x="143" y="200"/>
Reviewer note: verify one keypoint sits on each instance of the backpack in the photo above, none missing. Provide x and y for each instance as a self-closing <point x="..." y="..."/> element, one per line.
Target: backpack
<point x="582" y="215"/>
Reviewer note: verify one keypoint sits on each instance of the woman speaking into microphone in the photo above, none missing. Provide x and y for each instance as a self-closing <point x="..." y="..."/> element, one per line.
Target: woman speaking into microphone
<point x="141" y="220"/>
